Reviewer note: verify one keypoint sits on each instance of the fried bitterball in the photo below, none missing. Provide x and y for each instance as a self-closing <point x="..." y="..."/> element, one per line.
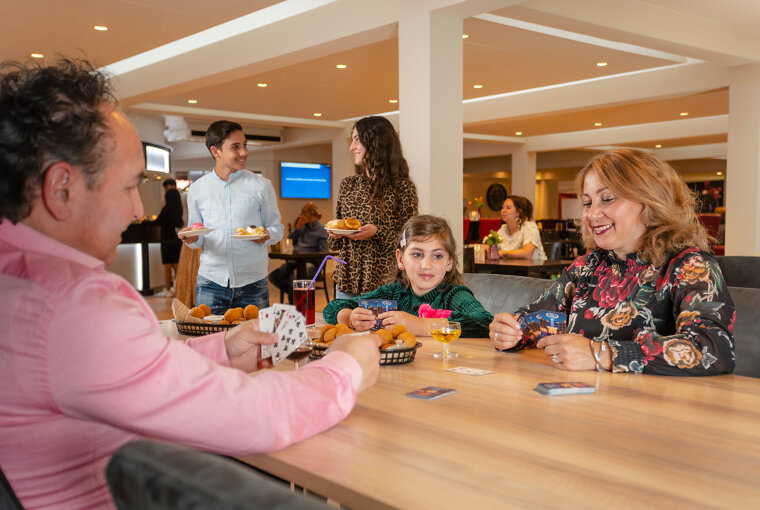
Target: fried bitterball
<point x="251" y="312"/>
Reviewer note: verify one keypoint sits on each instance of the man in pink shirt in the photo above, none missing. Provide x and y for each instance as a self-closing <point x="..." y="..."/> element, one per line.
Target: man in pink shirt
<point x="84" y="367"/>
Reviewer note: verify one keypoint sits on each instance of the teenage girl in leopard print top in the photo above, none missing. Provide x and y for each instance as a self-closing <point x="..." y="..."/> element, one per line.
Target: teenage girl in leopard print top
<point x="382" y="197"/>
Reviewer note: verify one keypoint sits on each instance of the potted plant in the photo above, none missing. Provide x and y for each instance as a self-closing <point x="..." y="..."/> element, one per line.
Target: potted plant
<point x="493" y="240"/>
<point x="479" y="206"/>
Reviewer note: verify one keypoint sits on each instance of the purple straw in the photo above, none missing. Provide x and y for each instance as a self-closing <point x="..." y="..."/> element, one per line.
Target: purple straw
<point x="319" y="270"/>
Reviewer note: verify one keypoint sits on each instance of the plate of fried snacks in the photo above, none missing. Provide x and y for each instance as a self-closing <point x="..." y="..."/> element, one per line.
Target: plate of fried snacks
<point x="251" y="233"/>
<point x="199" y="321"/>
<point x="196" y="229"/>
<point x="346" y="226"/>
<point x="399" y="345"/>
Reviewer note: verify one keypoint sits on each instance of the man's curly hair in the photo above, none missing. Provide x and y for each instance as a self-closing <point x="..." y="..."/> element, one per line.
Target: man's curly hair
<point x="49" y="114"/>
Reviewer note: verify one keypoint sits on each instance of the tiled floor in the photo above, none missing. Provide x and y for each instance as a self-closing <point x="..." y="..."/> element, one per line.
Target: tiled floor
<point x="162" y="306"/>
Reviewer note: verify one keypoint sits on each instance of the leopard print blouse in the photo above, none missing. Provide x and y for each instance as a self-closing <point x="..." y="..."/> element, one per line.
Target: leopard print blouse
<point x="370" y="262"/>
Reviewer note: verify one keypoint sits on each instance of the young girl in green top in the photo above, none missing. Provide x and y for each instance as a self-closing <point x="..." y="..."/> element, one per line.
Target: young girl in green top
<point x="427" y="273"/>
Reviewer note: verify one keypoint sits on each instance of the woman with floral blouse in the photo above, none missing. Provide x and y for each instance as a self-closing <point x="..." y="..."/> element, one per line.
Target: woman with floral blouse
<point x="648" y="296"/>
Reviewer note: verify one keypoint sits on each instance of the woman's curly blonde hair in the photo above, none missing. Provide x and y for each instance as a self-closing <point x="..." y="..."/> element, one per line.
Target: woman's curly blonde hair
<point x="669" y="213"/>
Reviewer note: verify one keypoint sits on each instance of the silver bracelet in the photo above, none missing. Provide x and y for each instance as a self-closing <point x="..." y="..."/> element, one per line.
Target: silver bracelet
<point x="598" y="354"/>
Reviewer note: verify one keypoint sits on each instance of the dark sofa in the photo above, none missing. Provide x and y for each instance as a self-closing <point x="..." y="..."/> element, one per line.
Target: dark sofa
<point x="504" y="293"/>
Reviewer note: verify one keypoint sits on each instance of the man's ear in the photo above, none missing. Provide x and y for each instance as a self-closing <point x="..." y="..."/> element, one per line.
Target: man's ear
<point x="214" y="151"/>
<point x="57" y="187"/>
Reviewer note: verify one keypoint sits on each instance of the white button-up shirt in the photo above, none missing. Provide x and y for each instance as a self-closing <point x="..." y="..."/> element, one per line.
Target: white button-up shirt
<point x="245" y="199"/>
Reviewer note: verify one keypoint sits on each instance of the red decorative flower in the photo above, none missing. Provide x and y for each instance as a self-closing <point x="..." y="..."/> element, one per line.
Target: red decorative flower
<point x="649" y="347"/>
<point x="588" y="314"/>
<point x="610" y="291"/>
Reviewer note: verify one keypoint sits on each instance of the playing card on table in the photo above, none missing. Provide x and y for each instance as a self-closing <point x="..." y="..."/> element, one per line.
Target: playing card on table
<point x="469" y="371"/>
<point x="291" y="332"/>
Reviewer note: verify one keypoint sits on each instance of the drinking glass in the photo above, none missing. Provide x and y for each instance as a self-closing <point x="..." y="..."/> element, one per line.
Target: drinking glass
<point x="303" y="297"/>
<point x="300" y="353"/>
<point x="445" y="331"/>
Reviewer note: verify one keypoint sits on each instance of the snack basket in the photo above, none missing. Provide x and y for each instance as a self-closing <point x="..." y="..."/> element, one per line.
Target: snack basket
<point x="394" y="357"/>
<point x="197" y="329"/>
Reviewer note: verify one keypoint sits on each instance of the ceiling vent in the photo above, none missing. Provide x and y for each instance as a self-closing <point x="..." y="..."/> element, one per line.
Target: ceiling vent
<point x="177" y="130"/>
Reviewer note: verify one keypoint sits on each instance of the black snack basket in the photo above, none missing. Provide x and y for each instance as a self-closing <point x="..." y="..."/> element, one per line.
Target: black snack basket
<point x="197" y="329"/>
<point x="395" y="357"/>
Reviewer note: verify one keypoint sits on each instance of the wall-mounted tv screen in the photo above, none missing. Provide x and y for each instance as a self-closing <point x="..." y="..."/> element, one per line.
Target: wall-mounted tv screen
<point x="157" y="158"/>
<point x="304" y="180"/>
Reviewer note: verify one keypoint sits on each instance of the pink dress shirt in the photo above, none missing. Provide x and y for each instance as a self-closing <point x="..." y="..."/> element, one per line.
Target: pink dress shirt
<point x="84" y="369"/>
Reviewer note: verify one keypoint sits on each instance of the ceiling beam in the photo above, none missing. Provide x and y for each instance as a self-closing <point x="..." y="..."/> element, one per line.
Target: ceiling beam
<point x="647" y="24"/>
<point x="615" y="90"/>
<point x="700" y="126"/>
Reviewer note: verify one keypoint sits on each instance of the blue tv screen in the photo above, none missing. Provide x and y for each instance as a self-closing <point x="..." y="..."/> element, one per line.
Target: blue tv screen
<point x="304" y="180"/>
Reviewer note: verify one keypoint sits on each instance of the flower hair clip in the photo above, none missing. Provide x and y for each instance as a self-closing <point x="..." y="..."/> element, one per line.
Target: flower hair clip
<point x="402" y="243"/>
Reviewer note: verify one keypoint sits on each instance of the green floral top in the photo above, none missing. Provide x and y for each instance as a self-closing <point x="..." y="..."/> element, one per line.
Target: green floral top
<point x="465" y="309"/>
<point x="677" y="319"/>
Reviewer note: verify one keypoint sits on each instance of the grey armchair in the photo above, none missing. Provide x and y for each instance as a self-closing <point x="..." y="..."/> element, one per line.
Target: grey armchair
<point x="153" y="475"/>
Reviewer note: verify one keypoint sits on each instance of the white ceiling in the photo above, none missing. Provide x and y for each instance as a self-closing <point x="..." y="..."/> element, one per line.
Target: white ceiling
<point x="536" y="59"/>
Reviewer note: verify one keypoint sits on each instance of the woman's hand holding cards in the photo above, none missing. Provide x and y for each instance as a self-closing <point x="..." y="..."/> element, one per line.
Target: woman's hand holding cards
<point x="505" y="331"/>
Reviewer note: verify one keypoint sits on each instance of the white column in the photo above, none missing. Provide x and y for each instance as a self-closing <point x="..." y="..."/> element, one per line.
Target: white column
<point x="743" y="164"/>
<point x="524" y="175"/>
<point x="342" y="163"/>
<point x="430" y="111"/>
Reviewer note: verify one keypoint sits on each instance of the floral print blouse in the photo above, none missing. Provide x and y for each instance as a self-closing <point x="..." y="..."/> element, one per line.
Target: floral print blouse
<point x="677" y="319"/>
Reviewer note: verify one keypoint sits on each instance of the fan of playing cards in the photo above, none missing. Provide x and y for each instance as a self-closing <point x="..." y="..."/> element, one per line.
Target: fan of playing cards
<point x="290" y="326"/>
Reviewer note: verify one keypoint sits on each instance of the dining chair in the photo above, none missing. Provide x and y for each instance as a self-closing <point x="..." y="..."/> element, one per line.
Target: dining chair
<point x="8" y="499"/>
<point x="152" y="475"/>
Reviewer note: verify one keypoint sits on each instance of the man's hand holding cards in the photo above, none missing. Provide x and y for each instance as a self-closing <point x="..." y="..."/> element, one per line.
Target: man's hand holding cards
<point x="290" y="326"/>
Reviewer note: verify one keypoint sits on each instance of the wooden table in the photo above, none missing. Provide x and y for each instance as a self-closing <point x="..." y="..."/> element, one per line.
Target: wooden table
<point x="640" y="441"/>
<point x="521" y="267"/>
<point x="301" y="258"/>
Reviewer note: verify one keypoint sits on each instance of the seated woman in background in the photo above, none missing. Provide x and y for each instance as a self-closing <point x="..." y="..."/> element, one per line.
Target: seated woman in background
<point x="647" y="297"/>
<point x="428" y="273"/>
<point x="520" y="236"/>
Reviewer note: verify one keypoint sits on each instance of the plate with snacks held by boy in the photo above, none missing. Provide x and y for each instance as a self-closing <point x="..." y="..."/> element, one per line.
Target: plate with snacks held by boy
<point x="251" y="233"/>
<point x="343" y="227"/>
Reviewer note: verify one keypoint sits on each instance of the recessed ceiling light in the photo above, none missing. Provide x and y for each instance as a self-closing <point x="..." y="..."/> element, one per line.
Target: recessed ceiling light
<point x="684" y="114"/>
<point x="601" y="64"/>
<point x="658" y="146"/>
<point x="341" y="66"/>
<point x="597" y="124"/>
<point x="718" y="173"/>
<point x="262" y="85"/>
<point x="394" y="101"/>
<point x="100" y="28"/>
<point x="478" y="86"/>
<point x="317" y="114"/>
<point x="518" y="133"/>
<point x="192" y="101"/>
<point x="465" y="36"/>
<point x="36" y="55"/>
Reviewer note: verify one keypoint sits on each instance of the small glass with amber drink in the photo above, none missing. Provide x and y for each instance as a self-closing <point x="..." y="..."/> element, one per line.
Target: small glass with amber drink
<point x="445" y="331"/>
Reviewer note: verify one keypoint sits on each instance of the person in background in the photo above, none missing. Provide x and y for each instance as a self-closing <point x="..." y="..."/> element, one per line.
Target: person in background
<point x="382" y="196"/>
<point x="233" y="271"/>
<point x="309" y="235"/>
<point x="170" y="219"/>
<point x="84" y="367"/>
<point x="648" y="296"/>
<point x="520" y="236"/>
<point x="427" y="272"/>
